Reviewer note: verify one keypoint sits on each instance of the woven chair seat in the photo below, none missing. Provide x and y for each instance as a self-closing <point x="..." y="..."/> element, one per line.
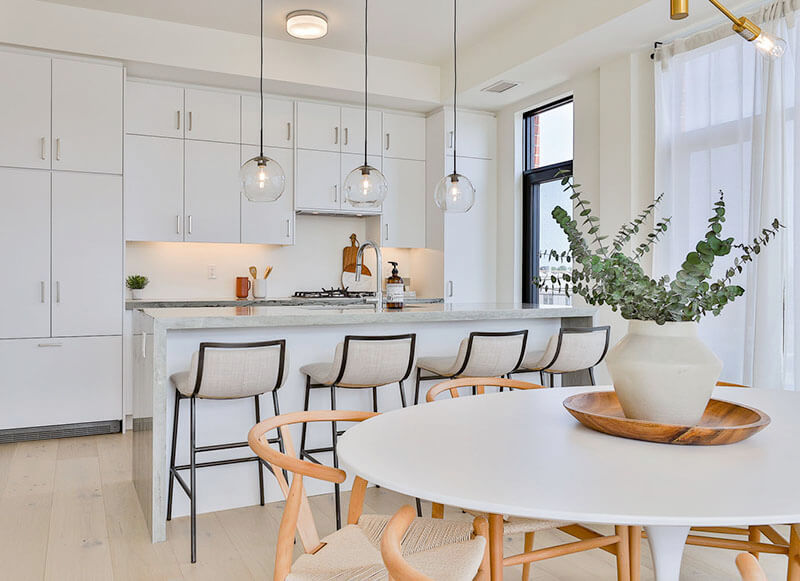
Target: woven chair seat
<point x="441" y="549"/>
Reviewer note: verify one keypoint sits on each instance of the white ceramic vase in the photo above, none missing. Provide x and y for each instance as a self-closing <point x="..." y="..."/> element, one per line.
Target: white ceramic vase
<point x="136" y="293"/>
<point x="663" y="373"/>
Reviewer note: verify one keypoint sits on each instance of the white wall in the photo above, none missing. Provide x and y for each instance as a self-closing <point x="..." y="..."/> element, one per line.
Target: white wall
<point x="613" y="160"/>
<point x="180" y="270"/>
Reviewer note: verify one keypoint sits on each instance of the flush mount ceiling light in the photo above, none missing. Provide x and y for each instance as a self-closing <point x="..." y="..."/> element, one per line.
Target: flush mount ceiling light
<point x="306" y="24"/>
<point x="767" y="44"/>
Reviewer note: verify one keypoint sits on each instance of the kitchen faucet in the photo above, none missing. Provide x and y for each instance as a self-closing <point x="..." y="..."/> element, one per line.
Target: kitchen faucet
<point x="360" y="261"/>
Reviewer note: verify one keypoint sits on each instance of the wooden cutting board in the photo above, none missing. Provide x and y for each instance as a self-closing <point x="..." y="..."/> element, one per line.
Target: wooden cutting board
<point x="349" y="257"/>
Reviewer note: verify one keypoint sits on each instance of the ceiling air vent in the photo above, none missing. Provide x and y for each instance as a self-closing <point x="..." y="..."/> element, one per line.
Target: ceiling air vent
<point x="500" y="87"/>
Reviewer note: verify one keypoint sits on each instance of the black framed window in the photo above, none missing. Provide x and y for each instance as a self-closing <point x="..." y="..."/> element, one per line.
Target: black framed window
<point x="548" y="134"/>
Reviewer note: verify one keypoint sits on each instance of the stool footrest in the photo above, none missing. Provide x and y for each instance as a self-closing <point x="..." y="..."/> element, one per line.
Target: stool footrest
<point x="219" y="463"/>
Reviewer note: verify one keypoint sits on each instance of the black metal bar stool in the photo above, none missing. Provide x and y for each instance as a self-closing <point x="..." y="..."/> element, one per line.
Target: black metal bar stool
<point x="572" y="350"/>
<point x="360" y="362"/>
<point x="482" y="354"/>
<point x="224" y="371"/>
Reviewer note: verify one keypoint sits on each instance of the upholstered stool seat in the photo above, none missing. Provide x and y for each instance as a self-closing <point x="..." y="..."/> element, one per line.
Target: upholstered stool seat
<point x="571" y="350"/>
<point x="359" y="362"/>
<point x="479" y="355"/>
<point x="223" y="371"/>
<point x="442" y="550"/>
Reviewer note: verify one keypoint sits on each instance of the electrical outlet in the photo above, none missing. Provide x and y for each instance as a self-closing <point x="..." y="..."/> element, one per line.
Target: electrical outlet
<point x="212" y="271"/>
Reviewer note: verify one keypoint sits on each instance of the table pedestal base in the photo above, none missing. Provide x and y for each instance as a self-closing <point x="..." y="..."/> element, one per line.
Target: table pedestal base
<point x="666" y="545"/>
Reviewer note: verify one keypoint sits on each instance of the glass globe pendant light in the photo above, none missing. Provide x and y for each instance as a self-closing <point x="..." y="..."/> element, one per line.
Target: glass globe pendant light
<point x="262" y="177"/>
<point x="365" y="187"/>
<point x="454" y="193"/>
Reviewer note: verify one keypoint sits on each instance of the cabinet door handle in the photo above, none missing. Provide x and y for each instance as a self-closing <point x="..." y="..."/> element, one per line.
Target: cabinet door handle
<point x="336" y="135"/>
<point x="190" y="121"/>
<point x="144" y="345"/>
<point x="386" y="235"/>
<point x="288" y="228"/>
<point x="451" y="140"/>
<point x="346" y="135"/>
<point x="58" y="291"/>
<point x="449" y="288"/>
<point x="335" y="193"/>
<point x="51" y="345"/>
<point x="58" y="149"/>
<point x="388" y="141"/>
<point x="289" y="131"/>
<point x="44" y="298"/>
<point x="190" y="224"/>
<point x="44" y="148"/>
<point x="178" y="223"/>
<point x="179" y="119"/>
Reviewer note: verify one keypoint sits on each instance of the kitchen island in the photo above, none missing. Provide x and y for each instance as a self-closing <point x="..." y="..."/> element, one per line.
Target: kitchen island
<point x="164" y="340"/>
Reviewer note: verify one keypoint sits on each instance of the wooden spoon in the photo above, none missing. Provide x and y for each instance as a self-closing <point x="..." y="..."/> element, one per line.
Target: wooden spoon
<point x="253" y="272"/>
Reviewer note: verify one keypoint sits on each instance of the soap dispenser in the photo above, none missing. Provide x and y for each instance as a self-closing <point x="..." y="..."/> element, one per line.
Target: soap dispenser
<point x="395" y="289"/>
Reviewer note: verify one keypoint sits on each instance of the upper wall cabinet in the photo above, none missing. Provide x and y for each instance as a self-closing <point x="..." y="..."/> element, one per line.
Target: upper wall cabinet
<point x="353" y="131"/>
<point x="271" y="222"/>
<point x="211" y="192"/>
<point x="403" y="136"/>
<point x="318" y="127"/>
<point x="25" y="111"/>
<point x="212" y="116"/>
<point x="155" y="110"/>
<point x="278" y="122"/>
<point x="153" y="189"/>
<point x="476" y="135"/>
<point x="87" y="117"/>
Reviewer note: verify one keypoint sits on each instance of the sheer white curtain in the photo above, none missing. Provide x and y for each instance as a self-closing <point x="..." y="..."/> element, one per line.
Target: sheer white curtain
<point x="725" y="120"/>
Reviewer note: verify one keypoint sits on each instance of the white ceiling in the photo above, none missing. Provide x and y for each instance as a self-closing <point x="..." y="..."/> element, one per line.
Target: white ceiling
<point x="411" y="30"/>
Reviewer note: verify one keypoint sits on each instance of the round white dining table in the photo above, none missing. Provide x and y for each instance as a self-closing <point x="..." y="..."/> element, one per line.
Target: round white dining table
<point x="521" y="453"/>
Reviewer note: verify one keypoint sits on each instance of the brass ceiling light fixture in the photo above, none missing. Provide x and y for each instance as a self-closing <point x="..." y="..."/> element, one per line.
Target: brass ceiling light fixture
<point x="766" y="44"/>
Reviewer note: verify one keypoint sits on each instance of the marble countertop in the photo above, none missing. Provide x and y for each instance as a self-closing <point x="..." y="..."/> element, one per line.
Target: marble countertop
<point x="131" y="304"/>
<point x="328" y="314"/>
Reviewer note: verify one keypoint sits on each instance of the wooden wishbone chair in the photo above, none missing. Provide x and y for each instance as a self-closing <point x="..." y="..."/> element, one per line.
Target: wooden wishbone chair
<point x="472" y="562"/>
<point x="352" y="552"/>
<point x="749" y="568"/>
<point x="617" y="544"/>
<point x="775" y="543"/>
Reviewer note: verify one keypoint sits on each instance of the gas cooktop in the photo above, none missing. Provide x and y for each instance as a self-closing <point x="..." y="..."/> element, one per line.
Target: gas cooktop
<point x="333" y="293"/>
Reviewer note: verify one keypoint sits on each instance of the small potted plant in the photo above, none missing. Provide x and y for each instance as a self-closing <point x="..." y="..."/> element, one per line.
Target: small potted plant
<point x="661" y="370"/>
<point x="136" y="283"/>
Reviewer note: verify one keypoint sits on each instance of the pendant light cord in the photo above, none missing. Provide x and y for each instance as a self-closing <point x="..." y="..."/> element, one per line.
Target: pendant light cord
<point x="366" y="69"/>
<point x="261" y="85"/>
<point x="455" y="81"/>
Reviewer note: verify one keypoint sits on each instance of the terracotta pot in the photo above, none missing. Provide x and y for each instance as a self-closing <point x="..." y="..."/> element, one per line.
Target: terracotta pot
<point x="663" y="373"/>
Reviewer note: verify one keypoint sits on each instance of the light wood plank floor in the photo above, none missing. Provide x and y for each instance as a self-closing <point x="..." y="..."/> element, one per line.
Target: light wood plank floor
<point x="68" y="511"/>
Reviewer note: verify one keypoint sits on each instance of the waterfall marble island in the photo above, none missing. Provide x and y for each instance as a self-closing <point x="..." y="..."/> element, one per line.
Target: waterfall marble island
<point x="164" y="340"/>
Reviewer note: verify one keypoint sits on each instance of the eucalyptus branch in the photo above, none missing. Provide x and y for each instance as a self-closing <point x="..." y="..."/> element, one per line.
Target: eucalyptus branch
<point x="618" y="280"/>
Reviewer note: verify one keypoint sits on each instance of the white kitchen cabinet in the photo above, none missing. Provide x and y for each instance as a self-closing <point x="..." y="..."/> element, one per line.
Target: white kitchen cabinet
<point x="211" y="193"/>
<point x="403" y="136"/>
<point x="476" y="135"/>
<point x="351" y="161"/>
<point x="87" y="248"/>
<point x="403" y="220"/>
<point x="469" y="239"/>
<point x="212" y="116"/>
<point x="318" y="126"/>
<point x="153" y="189"/>
<point x="278" y="122"/>
<point x="270" y="222"/>
<point x="60" y="381"/>
<point x="25" y="110"/>
<point x="353" y="131"/>
<point x="25" y="260"/>
<point x="87" y="116"/>
<point x="154" y="109"/>
<point x="318" y="176"/>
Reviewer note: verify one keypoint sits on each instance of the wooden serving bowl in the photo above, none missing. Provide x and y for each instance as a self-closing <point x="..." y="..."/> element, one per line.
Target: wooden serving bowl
<point x="723" y="422"/>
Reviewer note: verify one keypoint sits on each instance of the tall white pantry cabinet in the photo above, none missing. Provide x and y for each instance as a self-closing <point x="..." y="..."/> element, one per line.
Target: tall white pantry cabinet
<point x="61" y="245"/>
